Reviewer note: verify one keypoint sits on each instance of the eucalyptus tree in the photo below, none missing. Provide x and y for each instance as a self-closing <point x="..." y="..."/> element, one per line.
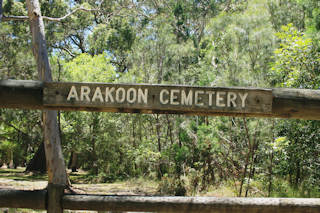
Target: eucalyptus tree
<point x="57" y="177"/>
<point x="297" y="65"/>
<point x="238" y="51"/>
<point x="283" y="12"/>
<point x="206" y="43"/>
<point x="241" y="46"/>
<point x="16" y="62"/>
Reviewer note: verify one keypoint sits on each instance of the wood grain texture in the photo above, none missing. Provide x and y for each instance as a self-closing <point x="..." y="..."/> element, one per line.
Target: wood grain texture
<point x="190" y="204"/>
<point x="54" y="197"/>
<point x="23" y="199"/>
<point x="286" y="103"/>
<point x="37" y="200"/>
<point x="174" y="98"/>
<point x="296" y="103"/>
<point x="21" y="94"/>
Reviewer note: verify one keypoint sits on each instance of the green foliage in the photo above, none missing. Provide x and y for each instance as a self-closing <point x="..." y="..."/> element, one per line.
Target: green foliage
<point x="284" y="12"/>
<point x="16" y="59"/>
<point x="18" y="136"/>
<point x="6" y="150"/>
<point x="311" y="15"/>
<point x="240" y="46"/>
<point x="116" y="39"/>
<point x="298" y="157"/>
<point x="172" y="186"/>
<point x="205" y="43"/>
<point x="296" y="64"/>
<point x="87" y="68"/>
<point x="297" y="60"/>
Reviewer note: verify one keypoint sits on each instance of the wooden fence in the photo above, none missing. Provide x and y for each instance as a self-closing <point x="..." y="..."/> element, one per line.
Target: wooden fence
<point x="37" y="200"/>
<point x="244" y="102"/>
<point x="283" y="103"/>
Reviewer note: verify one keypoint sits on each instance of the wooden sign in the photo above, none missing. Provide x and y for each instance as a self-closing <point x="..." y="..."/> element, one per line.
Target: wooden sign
<point x="157" y="98"/>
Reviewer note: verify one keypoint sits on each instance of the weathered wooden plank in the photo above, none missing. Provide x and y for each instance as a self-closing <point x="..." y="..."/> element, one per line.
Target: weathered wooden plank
<point x="37" y="200"/>
<point x="119" y="97"/>
<point x="23" y="199"/>
<point x="287" y="103"/>
<point x="296" y="103"/>
<point x="21" y="94"/>
<point x="190" y="204"/>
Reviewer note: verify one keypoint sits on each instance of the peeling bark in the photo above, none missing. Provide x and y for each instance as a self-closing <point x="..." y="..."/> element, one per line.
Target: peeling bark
<point x="57" y="176"/>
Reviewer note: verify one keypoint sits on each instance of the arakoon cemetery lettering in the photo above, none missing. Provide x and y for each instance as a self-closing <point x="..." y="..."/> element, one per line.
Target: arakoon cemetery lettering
<point x="146" y="98"/>
<point x="166" y="96"/>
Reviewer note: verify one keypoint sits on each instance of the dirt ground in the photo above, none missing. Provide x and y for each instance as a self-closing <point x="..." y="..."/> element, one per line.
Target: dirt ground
<point x="18" y="179"/>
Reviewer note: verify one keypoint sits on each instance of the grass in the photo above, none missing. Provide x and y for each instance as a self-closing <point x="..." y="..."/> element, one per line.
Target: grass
<point x="19" y="174"/>
<point x="219" y="191"/>
<point x="82" y="182"/>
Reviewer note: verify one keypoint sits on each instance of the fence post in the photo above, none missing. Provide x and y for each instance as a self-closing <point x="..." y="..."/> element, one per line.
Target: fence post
<point x="54" y="197"/>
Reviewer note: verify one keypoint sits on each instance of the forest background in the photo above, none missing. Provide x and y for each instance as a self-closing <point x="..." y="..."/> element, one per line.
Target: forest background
<point x="250" y="43"/>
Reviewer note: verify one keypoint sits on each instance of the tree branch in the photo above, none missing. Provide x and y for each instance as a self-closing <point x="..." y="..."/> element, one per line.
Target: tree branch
<point x="69" y="14"/>
<point x="14" y="18"/>
<point x="2" y="137"/>
<point x="7" y="123"/>
<point x="65" y="49"/>
<point x="45" y="18"/>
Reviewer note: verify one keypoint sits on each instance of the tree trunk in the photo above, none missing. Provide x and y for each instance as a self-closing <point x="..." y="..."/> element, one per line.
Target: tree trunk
<point x="158" y="132"/>
<point x="38" y="162"/>
<point x="298" y="175"/>
<point x="161" y="165"/>
<point x="140" y="128"/>
<point x="73" y="161"/>
<point x="244" y="174"/>
<point x="0" y="10"/>
<point x="270" y="174"/>
<point x="271" y="162"/>
<point x="134" y="132"/>
<point x="253" y="161"/>
<point x="169" y="129"/>
<point x="55" y="161"/>
<point x="57" y="176"/>
<point x="94" y="132"/>
<point x="11" y="163"/>
<point x="251" y="174"/>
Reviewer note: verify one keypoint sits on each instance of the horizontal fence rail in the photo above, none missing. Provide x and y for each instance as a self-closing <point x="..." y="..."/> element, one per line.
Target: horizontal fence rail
<point x="211" y="101"/>
<point x="190" y="204"/>
<point x="37" y="200"/>
<point x="23" y="199"/>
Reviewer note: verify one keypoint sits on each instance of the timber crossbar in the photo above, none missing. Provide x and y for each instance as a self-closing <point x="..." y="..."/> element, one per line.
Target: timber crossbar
<point x="161" y="99"/>
<point x="37" y="200"/>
